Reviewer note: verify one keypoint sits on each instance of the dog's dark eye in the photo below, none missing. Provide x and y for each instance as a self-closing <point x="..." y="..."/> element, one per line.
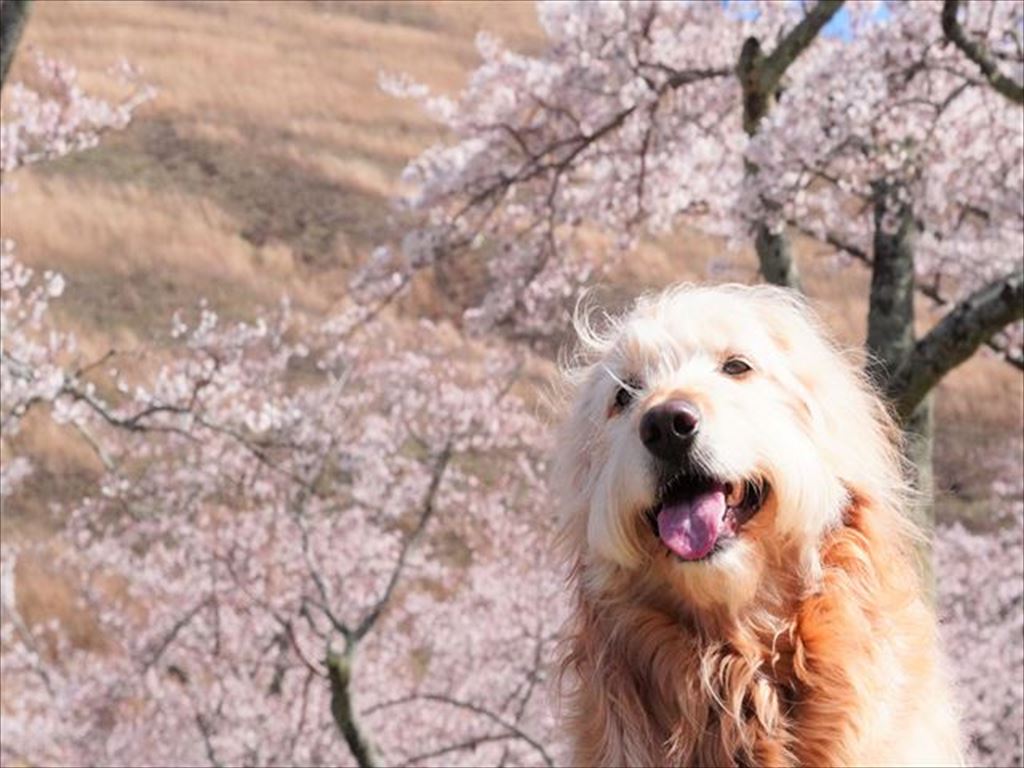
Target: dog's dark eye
<point x="624" y="396"/>
<point x="736" y="366"/>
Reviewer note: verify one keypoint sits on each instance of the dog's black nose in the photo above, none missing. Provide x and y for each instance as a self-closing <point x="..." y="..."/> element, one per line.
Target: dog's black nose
<point x="668" y="429"/>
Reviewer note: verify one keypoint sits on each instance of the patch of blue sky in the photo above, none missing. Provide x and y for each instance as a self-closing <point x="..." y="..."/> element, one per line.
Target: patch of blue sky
<point x="840" y="26"/>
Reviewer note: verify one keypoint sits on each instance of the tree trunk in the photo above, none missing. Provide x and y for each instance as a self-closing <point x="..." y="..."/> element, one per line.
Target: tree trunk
<point x="891" y="343"/>
<point x="774" y="256"/>
<point x="890" y="339"/>
<point x="919" y="441"/>
<point x="778" y="266"/>
<point x="13" y="14"/>
<point x="760" y="77"/>
<point x="339" y="673"/>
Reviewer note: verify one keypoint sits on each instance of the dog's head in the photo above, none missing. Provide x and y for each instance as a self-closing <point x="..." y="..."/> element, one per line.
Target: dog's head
<point x="716" y="433"/>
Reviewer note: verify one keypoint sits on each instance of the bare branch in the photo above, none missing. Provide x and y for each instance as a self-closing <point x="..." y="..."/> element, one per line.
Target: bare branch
<point x="547" y="159"/>
<point x="372" y="312"/>
<point x="796" y="41"/>
<point x="679" y="78"/>
<point x="468" y="744"/>
<point x="469" y="706"/>
<point x="426" y="513"/>
<point x="172" y="634"/>
<point x="1009" y="355"/>
<point x="207" y="732"/>
<point x="956" y="337"/>
<point x="977" y="53"/>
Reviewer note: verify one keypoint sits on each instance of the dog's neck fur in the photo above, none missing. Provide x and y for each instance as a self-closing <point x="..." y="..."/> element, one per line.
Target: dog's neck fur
<point x="766" y="684"/>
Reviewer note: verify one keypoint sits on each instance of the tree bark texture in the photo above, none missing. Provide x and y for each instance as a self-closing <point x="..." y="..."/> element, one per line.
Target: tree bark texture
<point x="891" y="308"/>
<point x="918" y="448"/>
<point x="890" y="346"/>
<point x="339" y="672"/>
<point x="775" y="257"/>
<point x="955" y="338"/>
<point x="760" y="77"/>
<point x="13" y="15"/>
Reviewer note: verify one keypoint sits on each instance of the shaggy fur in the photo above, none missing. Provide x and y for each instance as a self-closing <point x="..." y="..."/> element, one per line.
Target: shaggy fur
<point x="805" y="642"/>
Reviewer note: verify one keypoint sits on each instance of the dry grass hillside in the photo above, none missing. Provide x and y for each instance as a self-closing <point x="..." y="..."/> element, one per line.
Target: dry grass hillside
<point x="265" y="164"/>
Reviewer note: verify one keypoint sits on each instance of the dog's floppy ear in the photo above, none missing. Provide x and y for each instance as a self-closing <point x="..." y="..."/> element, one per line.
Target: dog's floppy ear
<point x="849" y="420"/>
<point x="574" y="464"/>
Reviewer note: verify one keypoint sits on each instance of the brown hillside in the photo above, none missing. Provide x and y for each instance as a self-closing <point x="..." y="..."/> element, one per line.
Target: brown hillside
<point x="265" y="164"/>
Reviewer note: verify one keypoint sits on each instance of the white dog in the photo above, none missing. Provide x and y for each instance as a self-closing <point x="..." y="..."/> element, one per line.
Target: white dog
<point x="743" y="575"/>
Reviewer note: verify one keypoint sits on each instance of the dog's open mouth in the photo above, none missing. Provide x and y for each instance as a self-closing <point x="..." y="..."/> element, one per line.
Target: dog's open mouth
<point x="696" y="515"/>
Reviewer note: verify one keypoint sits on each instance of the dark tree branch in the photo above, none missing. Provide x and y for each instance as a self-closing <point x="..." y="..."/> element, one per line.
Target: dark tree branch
<point x="1010" y="356"/>
<point x="977" y="53"/>
<point x="469" y="706"/>
<point x="142" y="421"/>
<point x="13" y="15"/>
<point x="679" y="78"/>
<point x="760" y="76"/>
<point x="426" y="513"/>
<point x="462" y="746"/>
<point x="955" y="338"/>
<point x="796" y="41"/>
<point x="556" y="158"/>
<point x="207" y="732"/>
<point x="339" y="673"/>
<point x="173" y="633"/>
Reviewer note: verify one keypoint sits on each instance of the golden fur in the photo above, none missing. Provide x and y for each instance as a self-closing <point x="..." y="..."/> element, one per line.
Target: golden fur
<point x="807" y="642"/>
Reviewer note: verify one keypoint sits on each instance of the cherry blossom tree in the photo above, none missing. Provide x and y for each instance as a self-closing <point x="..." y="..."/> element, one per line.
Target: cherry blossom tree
<point x="914" y="165"/>
<point x="309" y="543"/>
<point x="326" y="540"/>
<point x="292" y="556"/>
<point x="901" y="146"/>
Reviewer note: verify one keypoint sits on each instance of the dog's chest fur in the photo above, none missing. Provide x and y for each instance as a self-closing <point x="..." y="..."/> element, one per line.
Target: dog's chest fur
<point x="682" y="698"/>
<point x="836" y="678"/>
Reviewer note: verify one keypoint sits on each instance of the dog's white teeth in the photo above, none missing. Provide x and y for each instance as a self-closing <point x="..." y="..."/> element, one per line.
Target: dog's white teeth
<point x="734" y="497"/>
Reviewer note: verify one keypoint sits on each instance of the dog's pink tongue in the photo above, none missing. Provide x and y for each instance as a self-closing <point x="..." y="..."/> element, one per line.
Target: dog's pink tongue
<point x="690" y="528"/>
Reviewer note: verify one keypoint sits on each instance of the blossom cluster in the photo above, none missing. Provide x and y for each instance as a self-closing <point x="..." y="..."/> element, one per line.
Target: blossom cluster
<point x="592" y="131"/>
<point x="59" y="116"/>
<point x="633" y="117"/>
<point x="899" y="112"/>
<point x="275" y="497"/>
<point x="37" y="373"/>
<point x="311" y="542"/>
<point x="980" y="578"/>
